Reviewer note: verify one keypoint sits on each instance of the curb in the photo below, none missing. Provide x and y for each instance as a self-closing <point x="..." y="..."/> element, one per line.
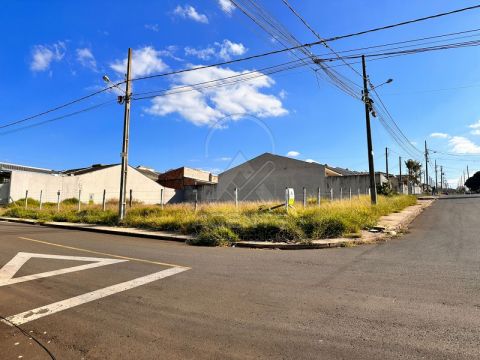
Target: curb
<point x="104" y="230"/>
<point x="280" y="246"/>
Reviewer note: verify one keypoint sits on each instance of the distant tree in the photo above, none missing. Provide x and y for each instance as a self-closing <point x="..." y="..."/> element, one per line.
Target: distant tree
<point x="414" y="168"/>
<point x="473" y="183"/>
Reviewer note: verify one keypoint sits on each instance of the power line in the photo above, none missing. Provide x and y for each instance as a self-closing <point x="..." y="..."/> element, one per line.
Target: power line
<point x="410" y="51"/>
<point x="297" y="14"/>
<point x="60" y="106"/>
<point x="299" y="46"/>
<point x="474" y="7"/>
<point x="411" y="40"/>
<point x="214" y="83"/>
<point x="54" y="119"/>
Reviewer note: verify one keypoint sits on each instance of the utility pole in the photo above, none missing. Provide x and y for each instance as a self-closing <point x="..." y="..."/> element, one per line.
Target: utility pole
<point x="426" y="164"/>
<point x="441" y="177"/>
<point x="400" y="174"/>
<point x="368" y="106"/>
<point x="436" y="177"/>
<point x="468" y="173"/>
<point x="126" y="137"/>
<point x="386" y="161"/>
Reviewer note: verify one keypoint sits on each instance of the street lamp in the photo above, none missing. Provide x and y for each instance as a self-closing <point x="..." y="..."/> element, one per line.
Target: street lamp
<point x="120" y="98"/>
<point x="377" y="86"/>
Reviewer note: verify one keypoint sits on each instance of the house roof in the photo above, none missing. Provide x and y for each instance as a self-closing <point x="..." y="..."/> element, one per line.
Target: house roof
<point x="9" y="166"/>
<point x="342" y="171"/>
<point x="148" y="172"/>
<point x="270" y="156"/>
<point x="86" y="170"/>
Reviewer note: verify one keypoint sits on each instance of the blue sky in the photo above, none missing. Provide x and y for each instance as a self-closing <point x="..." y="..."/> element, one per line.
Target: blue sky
<point x="56" y="51"/>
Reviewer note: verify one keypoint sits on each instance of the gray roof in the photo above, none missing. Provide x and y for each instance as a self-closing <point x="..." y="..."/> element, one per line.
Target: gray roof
<point x="86" y="170"/>
<point x="151" y="174"/>
<point x="17" y="167"/>
<point x="344" y="172"/>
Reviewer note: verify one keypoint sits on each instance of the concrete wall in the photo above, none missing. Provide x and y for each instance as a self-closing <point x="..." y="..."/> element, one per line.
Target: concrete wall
<point x="205" y="193"/>
<point x="21" y="181"/>
<point x="343" y="184"/>
<point x="265" y="178"/>
<point x="92" y="185"/>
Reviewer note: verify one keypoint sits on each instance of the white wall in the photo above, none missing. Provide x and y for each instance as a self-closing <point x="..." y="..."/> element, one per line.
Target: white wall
<point x="92" y="185"/>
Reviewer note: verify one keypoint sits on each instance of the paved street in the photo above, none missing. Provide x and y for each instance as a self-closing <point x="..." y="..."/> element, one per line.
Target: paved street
<point x="417" y="297"/>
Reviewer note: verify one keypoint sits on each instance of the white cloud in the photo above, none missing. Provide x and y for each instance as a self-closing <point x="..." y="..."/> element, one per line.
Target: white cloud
<point x="462" y="145"/>
<point x="85" y="58"/>
<point x="208" y="106"/>
<point x="439" y="135"/>
<point x="203" y="54"/>
<point x="475" y="128"/>
<point x="229" y="48"/>
<point x="311" y="161"/>
<point x="293" y="153"/>
<point x="227" y="6"/>
<point x="44" y="55"/>
<point x="190" y="12"/>
<point x="282" y="94"/>
<point x="475" y="125"/>
<point x="224" y="50"/>
<point x="152" y="27"/>
<point x="145" y="61"/>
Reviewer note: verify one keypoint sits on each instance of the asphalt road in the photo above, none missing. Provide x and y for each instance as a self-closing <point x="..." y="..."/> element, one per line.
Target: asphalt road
<point x="417" y="297"/>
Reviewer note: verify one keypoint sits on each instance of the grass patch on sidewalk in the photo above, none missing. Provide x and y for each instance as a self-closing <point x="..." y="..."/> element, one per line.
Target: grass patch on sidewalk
<point x="221" y="224"/>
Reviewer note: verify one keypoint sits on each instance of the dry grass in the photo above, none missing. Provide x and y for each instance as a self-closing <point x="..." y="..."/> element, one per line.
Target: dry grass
<point x="224" y="221"/>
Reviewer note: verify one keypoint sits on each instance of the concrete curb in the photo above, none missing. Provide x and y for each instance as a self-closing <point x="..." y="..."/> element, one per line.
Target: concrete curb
<point x="286" y="246"/>
<point x="104" y="229"/>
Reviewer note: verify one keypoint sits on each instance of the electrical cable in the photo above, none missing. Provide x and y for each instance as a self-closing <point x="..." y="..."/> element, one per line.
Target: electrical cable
<point x="54" y="119"/>
<point x="408" y="22"/>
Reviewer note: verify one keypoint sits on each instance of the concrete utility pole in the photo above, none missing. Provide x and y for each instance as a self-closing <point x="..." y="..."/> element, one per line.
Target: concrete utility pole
<point x="468" y="173"/>
<point x="368" y="105"/>
<point x="441" y="177"/>
<point x="126" y="137"/>
<point x="436" y="178"/>
<point x="400" y="184"/>
<point x="426" y="164"/>
<point x="386" y="161"/>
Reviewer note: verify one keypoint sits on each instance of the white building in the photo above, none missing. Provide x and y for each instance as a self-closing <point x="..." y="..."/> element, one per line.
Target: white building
<point x="89" y="183"/>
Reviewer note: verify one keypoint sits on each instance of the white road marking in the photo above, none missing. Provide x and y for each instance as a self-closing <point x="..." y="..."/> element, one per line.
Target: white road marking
<point x="11" y="268"/>
<point x="42" y="311"/>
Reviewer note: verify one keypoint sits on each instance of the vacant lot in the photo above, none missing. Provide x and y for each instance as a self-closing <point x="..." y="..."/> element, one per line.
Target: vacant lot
<point x="223" y="223"/>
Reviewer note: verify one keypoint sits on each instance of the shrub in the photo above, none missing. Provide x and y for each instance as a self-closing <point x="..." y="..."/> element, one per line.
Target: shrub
<point x="218" y="236"/>
<point x="70" y="201"/>
<point x="318" y="227"/>
<point x="21" y="203"/>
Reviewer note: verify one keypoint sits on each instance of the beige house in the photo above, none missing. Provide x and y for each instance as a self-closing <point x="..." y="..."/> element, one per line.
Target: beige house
<point x="90" y="184"/>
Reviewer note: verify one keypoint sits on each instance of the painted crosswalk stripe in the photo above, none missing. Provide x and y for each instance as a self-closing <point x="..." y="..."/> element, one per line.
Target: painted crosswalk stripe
<point x="53" y="308"/>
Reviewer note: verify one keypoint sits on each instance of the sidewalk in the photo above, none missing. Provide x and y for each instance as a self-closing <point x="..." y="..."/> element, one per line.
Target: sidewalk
<point x="388" y="226"/>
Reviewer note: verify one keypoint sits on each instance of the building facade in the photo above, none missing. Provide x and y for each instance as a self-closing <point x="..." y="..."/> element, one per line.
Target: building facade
<point x="266" y="177"/>
<point x="89" y="184"/>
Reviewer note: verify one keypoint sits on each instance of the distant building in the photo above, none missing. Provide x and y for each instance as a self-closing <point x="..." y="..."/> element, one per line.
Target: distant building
<point x="190" y="184"/>
<point x="90" y="182"/>
<point x="185" y="177"/>
<point x="265" y="178"/>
